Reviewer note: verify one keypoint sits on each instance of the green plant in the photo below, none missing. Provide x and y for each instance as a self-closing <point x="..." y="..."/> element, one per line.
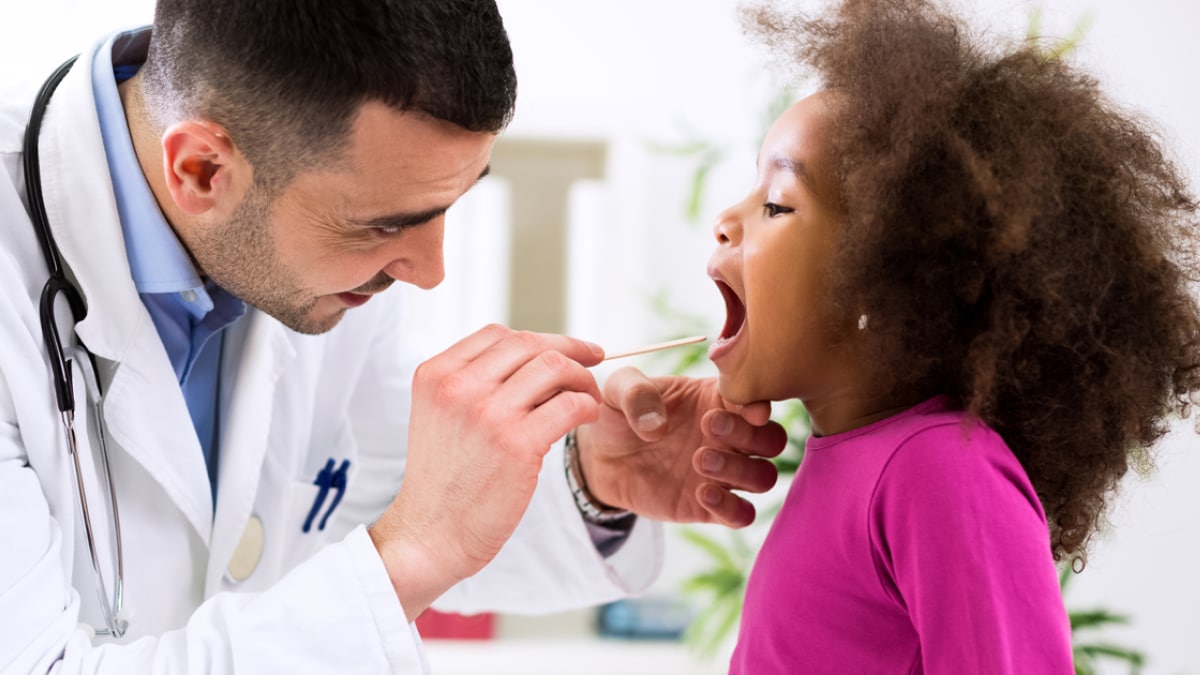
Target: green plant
<point x="707" y="154"/>
<point x="1088" y="651"/>
<point x="721" y="587"/>
<point x="1064" y="46"/>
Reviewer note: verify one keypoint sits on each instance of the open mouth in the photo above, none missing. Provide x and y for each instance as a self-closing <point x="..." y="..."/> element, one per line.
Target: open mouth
<point x="735" y="311"/>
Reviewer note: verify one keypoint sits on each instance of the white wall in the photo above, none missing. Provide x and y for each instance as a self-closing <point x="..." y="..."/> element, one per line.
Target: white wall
<point x="38" y="35"/>
<point x="634" y="71"/>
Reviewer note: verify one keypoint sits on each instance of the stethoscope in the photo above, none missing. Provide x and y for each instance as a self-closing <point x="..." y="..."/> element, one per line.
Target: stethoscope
<point x="61" y="359"/>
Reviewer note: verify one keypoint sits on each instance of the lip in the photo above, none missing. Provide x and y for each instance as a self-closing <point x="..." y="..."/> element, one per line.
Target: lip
<point x="735" y="311"/>
<point x="353" y="299"/>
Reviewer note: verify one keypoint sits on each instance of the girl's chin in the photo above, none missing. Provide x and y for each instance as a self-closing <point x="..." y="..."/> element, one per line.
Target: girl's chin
<point x="736" y="391"/>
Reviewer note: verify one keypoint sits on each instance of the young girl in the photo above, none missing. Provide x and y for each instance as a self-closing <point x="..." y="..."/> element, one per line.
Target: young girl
<point x="974" y="270"/>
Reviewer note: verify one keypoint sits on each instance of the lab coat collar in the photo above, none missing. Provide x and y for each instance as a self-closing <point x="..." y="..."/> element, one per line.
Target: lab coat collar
<point x="144" y="408"/>
<point x="83" y="216"/>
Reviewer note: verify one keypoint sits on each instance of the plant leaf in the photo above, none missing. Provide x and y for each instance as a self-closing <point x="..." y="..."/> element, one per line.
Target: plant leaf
<point x="1130" y="656"/>
<point x="1093" y="618"/>
<point x="709" y="545"/>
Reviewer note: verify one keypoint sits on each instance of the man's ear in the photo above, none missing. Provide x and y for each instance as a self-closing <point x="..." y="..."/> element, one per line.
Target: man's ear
<point x="204" y="171"/>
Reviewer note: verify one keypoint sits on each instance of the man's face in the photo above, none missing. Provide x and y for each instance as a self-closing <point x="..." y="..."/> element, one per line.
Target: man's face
<point x="339" y="234"/>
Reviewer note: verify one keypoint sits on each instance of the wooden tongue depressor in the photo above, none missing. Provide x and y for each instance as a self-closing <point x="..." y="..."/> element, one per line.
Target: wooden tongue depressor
<point x="655" y="347"/>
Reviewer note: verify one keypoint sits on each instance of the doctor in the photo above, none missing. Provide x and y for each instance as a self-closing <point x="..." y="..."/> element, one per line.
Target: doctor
<point x="230" y="192"/>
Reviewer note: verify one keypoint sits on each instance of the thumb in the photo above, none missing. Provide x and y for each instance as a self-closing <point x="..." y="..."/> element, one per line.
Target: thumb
<point x="639" y="399"/>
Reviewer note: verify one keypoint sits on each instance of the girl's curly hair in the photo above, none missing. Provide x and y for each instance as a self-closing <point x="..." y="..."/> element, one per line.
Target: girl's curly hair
<point x="1018" y="241"/>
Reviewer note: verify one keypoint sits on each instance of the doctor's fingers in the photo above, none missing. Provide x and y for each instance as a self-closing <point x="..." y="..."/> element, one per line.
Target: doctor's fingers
<point x="543" y="400"/>
<point x="731" y="431"/>
<point x="480" y="400"/>
<point x="545" y="375"/>
<point x="724" y="506"/>
<point x="495" y="352"/>
<point x="734" y="470"/>
<point x="641" y="401"/>
<point x="757" y="413"/>
<point x="469" y="347"/>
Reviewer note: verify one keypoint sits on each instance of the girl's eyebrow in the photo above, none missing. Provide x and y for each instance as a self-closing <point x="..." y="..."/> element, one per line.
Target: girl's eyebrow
<point x="797" y="169"/>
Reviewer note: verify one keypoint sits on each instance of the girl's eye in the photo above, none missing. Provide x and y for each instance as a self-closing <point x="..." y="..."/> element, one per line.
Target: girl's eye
<point x="772" y="209"/>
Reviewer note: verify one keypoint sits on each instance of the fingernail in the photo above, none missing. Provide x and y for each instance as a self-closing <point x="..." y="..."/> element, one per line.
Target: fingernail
<point x="711" y="496"/>
<point x="722" y="424"/>
<point x="712" y="461"/>
<point x="650" y="421"/>
<point x="596" y="349"/>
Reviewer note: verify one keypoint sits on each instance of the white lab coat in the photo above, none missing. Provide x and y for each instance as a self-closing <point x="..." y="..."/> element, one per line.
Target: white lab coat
<point x="316" y="602"/>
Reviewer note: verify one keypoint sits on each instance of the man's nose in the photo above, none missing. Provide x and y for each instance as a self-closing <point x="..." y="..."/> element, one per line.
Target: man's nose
<point x="419" y="260"/>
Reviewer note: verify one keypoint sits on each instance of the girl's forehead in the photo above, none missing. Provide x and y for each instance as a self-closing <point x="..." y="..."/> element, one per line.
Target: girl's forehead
<point x="798" y="143"/>
<point x="799" y="133"/>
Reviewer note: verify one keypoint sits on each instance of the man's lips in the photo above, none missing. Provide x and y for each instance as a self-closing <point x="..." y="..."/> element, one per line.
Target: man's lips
<point x="362" y="294"/>
<point x="353" y="299"/>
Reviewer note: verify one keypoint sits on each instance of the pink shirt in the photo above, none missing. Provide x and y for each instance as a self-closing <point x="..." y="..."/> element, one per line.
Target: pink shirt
<point x="912" y="545"/>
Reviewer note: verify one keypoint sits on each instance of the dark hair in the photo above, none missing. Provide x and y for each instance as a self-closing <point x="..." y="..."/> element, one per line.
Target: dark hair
<point x="1019" y="242"/>
<point x="285" y="77"/>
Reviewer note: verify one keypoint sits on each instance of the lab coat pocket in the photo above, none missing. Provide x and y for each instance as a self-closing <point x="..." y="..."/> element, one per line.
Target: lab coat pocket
<point x="328" y="488"/>
<point x="308" y="511"/>
<point x="315" y="501"/>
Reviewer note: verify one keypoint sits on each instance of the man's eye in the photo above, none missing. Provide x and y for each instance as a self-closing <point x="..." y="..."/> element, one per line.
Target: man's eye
<point x="388" y="231"/>
<point x="772" y="209"/>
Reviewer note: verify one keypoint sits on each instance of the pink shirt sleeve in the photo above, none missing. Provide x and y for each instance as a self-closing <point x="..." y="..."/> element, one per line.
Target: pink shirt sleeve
<point x="960" y="540"/>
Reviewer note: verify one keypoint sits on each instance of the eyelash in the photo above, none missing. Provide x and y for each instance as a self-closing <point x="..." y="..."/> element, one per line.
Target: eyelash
<point x="772" y="209"/>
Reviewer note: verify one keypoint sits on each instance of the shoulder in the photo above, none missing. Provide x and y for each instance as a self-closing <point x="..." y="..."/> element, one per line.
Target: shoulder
<point x="949" y="441"/>
<point x="948" y="461"/>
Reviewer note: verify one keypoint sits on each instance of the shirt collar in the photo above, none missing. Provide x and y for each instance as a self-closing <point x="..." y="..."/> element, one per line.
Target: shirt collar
<point x="157" y="259"/>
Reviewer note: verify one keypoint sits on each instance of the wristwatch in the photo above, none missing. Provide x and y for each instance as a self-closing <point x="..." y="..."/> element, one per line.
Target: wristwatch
<point x="593" y="510"/>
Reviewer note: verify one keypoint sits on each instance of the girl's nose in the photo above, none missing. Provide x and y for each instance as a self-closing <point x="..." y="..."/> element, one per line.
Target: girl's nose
<point x="727" y="228"/>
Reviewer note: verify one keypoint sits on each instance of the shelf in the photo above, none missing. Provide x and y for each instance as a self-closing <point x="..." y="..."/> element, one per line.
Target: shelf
<point x="582" y="656"/>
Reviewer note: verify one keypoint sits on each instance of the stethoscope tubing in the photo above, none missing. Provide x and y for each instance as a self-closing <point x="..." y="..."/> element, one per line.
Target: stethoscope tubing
<point x="63" y="389"/>
<point x="60" y="361"/>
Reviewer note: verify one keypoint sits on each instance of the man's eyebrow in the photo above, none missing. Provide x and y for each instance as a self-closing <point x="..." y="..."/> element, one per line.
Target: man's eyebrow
<point x="399" y="221"/>
<point x="405" y="220"/>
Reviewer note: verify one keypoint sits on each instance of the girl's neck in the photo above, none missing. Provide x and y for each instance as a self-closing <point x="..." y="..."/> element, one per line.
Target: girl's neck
<point x="846" y="411"/>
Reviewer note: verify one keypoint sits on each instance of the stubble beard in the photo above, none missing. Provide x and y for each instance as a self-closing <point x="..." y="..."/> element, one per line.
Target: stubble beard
<point x="241" y="256"/>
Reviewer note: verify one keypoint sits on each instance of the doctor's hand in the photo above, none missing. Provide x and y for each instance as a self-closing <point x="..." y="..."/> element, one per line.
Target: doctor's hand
<point x="670" y="448"/>
<point x="484" y="414"/>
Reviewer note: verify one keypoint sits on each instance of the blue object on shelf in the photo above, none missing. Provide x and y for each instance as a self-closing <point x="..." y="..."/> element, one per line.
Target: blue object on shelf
<point x="650" y="618"/>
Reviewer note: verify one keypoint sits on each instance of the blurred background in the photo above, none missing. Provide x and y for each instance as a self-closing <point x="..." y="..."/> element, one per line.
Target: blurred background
<point x="637" y="121"/>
